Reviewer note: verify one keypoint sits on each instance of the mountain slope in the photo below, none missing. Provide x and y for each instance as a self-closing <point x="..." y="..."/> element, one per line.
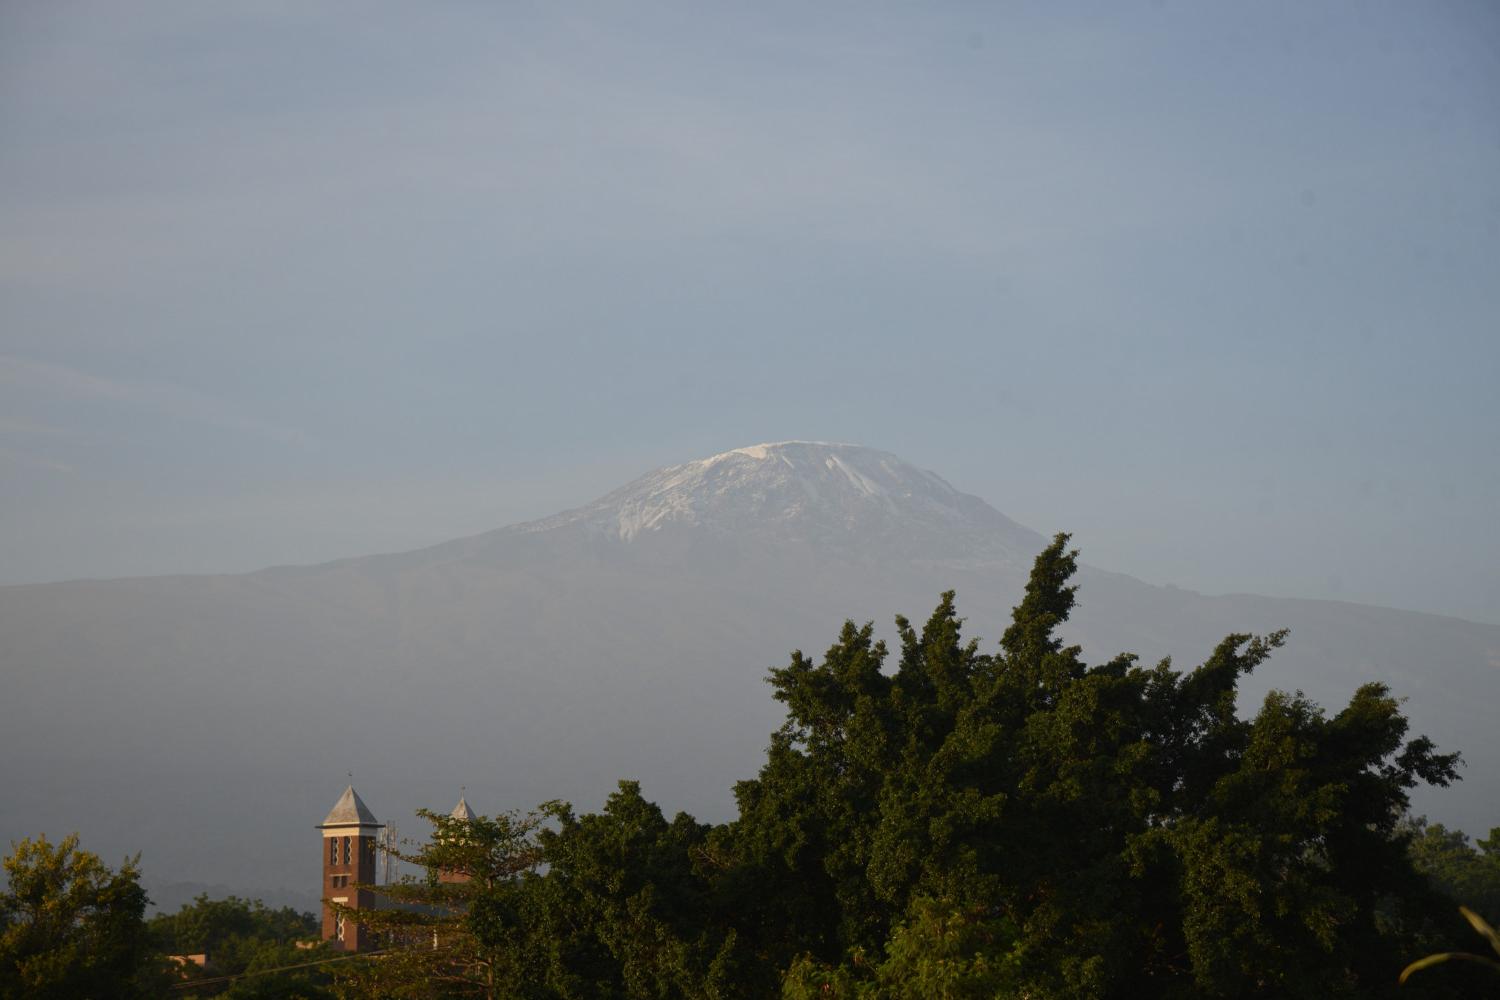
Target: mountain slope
<point x="208" y="721"/>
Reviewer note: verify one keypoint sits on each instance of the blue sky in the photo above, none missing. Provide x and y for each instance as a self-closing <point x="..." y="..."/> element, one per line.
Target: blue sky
<point x="1216" y="287"/>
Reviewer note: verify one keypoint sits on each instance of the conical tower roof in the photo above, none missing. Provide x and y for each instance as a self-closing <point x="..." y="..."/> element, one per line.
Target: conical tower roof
<point x="350" y="810"/>
<point x="462" y="810"/>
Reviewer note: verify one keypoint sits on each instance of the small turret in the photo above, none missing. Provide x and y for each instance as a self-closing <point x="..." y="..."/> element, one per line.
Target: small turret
<point x="463" y="814"/>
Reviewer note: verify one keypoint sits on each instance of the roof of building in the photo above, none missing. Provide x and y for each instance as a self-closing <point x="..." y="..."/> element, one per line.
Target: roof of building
<point x="350" y="810"/>
<point x="462" y="810"/>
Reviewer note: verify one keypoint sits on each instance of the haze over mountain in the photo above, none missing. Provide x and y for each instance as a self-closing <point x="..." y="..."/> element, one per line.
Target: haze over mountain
<point x="209" y="721"/>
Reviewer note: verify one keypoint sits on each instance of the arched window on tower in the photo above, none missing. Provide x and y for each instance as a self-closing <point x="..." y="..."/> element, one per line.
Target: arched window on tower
<point x="346" y="850"/>
<point x="333" y="850"/>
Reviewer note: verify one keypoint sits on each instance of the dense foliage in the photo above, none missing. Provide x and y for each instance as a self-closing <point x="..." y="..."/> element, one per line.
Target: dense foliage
<point x="1015" y="823"/>
<point x="243" y="941"/>
<point x="72" y="927"/>
<point x="1465" y="871"/>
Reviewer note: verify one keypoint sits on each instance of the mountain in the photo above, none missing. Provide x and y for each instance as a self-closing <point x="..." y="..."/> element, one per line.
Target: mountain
<point x="209" y="721"/>
<point x="840" y="498"/>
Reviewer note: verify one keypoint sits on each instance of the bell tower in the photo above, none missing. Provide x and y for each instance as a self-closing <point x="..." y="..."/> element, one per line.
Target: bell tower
<point x="463" y="814"/>
<point x="349" y="835"/>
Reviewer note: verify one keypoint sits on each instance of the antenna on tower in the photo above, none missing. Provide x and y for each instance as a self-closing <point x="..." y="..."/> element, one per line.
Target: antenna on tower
<point x="387" y="844"/>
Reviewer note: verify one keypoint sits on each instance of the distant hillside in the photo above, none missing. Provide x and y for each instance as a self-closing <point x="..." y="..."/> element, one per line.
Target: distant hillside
<point x="209" y="721"/>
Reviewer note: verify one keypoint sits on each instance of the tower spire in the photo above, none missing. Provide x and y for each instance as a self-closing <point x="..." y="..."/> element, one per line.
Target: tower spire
<point x="350" y="810"/>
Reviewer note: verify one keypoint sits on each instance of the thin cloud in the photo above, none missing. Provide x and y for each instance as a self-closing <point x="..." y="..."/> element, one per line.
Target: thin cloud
<point x="167" y="400"/>
<point x="27" y="459"/>
<point x="29" y="428"/>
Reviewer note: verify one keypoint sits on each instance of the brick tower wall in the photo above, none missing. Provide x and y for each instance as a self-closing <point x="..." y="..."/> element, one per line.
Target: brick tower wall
<point x="339" y="880"/>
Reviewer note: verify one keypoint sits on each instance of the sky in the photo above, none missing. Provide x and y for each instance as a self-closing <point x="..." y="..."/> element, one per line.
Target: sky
<point x="1216" y="287"/>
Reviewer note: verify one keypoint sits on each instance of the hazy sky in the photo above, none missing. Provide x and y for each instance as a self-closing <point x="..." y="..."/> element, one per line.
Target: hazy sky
<point x="1216" y="287"/>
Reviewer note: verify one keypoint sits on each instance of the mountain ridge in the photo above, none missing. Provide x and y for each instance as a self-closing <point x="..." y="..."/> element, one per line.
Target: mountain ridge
<point x="589" y="513"/>
<point x="206" y="719"/>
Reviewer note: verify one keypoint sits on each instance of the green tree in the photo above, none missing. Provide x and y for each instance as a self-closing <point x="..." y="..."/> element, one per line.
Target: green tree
<point x="939" y="952"/>
<point x="207" y="925"/>
<point x="1464" y="871"/>
<point x="1132" y="832"/>
<point x="245" y="941"/>
<point x="71" y="927"/>
<point x="627" y="907"/>
<point x="267" y="970"/>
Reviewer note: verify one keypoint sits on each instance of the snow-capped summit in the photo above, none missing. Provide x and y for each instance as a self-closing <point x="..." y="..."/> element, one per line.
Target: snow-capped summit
<point x="808" y="491"/>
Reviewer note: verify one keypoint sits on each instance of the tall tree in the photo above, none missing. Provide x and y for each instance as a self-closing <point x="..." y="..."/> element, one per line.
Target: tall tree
<point x="70" y="926"/>
<point x="628" y="907"/>
<point x="1114" y="830"/>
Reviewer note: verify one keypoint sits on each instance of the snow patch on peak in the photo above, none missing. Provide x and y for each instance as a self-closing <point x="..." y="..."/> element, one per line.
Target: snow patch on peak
<point x="811" y="492"/>
<point x="861" y="482"/>
<point x="761" y="452"/>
